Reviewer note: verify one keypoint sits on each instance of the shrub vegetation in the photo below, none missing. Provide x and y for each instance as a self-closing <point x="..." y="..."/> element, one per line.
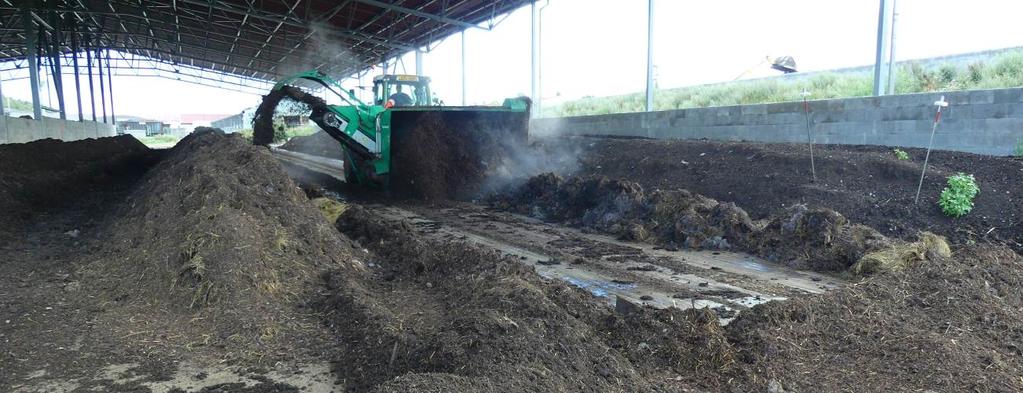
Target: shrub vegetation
<point x="957" y="199"/>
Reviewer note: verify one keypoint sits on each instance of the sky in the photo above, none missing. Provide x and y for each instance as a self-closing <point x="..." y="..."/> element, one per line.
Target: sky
<point x="598" y="48"/>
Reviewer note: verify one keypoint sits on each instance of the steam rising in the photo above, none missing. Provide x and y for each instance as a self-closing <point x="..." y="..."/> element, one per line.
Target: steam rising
<point x="550" y="152"/>
<point x="322" y="49"/>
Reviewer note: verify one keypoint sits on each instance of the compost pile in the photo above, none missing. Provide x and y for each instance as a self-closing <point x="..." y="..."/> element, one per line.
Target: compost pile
<point x="460" y="318"/>
<point x="456" y="317"/>
<point x="318" y="144"/>
<point x="215" y="255"/>
<point x="867" y="184"/>
<point x="948" y="325"/>
<point x="216" y="247"/>
<point x="48" y="173"/>
<point x="801" y="237"/>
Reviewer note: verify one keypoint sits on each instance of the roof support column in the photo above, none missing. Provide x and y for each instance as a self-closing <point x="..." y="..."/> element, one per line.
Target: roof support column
<point x="3" y="116"/>
<point x="891" y="50"/>
<point x="419" y="62"/>
<point x="884" y="38"/>
<point x="3" y="106"/>
<point x="650" y="56"/>
<point x="74" y="63"/>
<point x="55" y="59"/>
<point x="102" y="93"/>
<point x="33" y="69"/>
<point x="110" y="88"/>
<point x="534" y="54"/>
<point x="58" y="76"/>
<point x="464" y="101"/>
<point x="88" y="71"/>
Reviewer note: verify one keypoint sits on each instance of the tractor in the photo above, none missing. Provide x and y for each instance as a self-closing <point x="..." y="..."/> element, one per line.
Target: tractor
<point x="403" y="141"/>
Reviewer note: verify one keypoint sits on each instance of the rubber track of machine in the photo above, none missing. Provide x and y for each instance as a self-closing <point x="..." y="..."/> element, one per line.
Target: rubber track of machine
<point x="263" y="123"/>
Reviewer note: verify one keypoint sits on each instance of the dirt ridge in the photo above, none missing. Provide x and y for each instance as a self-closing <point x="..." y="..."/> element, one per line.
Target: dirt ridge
<point x="217" y="247"/>
<point x="817" y="239"/>
<point x="867" y="184"/>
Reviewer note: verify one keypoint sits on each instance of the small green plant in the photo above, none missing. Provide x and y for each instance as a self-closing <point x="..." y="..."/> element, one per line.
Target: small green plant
<point x="957" y="199"/>
<point x="901" y="155"/>
<point x="1018" y="152"/>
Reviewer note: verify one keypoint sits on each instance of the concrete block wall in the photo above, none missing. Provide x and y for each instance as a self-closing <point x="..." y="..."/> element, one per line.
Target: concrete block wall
<point x="979" y="121"/>
<point x="18" y="130"/>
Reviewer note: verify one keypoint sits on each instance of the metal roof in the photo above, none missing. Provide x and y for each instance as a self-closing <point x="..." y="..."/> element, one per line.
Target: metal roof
<point x="257" y="39"/>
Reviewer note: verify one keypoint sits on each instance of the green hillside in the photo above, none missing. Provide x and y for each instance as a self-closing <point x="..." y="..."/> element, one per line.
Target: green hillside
<point x="16" y="104"/>
<point x="1003" y="70"/>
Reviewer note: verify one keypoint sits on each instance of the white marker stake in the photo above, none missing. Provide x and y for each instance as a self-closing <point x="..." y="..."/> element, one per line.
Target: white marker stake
<point x="809" y="136"/>
<point x="937" y="119"/>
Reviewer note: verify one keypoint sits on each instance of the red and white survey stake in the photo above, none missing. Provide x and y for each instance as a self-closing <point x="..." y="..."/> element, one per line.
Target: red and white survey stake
<point x="937" y="119"/>
<point x="809" y="136"/>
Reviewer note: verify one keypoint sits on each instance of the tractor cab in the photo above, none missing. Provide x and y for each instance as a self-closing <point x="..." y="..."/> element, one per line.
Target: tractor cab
<point x="401" y="90"/>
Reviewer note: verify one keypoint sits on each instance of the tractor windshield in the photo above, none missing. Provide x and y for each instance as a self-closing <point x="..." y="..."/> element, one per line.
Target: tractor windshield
<point x="401" y="93"/>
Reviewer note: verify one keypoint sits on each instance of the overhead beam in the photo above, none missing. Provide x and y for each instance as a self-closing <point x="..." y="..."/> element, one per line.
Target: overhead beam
<point x="308" y="34"/>
<point x="156" y="72"/>
<point x="220" y="5"/>
<point x="422" y="14"/>
<point x="178" y="69"/>
<point x="181" y="56"/>
<point x="256" y="44"/>
<point x="273" y="34"/>
<point x="438" y="30"/>
<point x="291" y="10"/>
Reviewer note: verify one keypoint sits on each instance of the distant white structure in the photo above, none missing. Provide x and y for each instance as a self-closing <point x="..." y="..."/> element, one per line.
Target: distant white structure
<point x="235" y="123"/>
<point x="192" y="120"/>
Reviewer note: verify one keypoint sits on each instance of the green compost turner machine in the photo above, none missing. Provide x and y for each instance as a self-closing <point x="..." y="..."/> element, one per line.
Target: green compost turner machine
<point x="404" y="141"/>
